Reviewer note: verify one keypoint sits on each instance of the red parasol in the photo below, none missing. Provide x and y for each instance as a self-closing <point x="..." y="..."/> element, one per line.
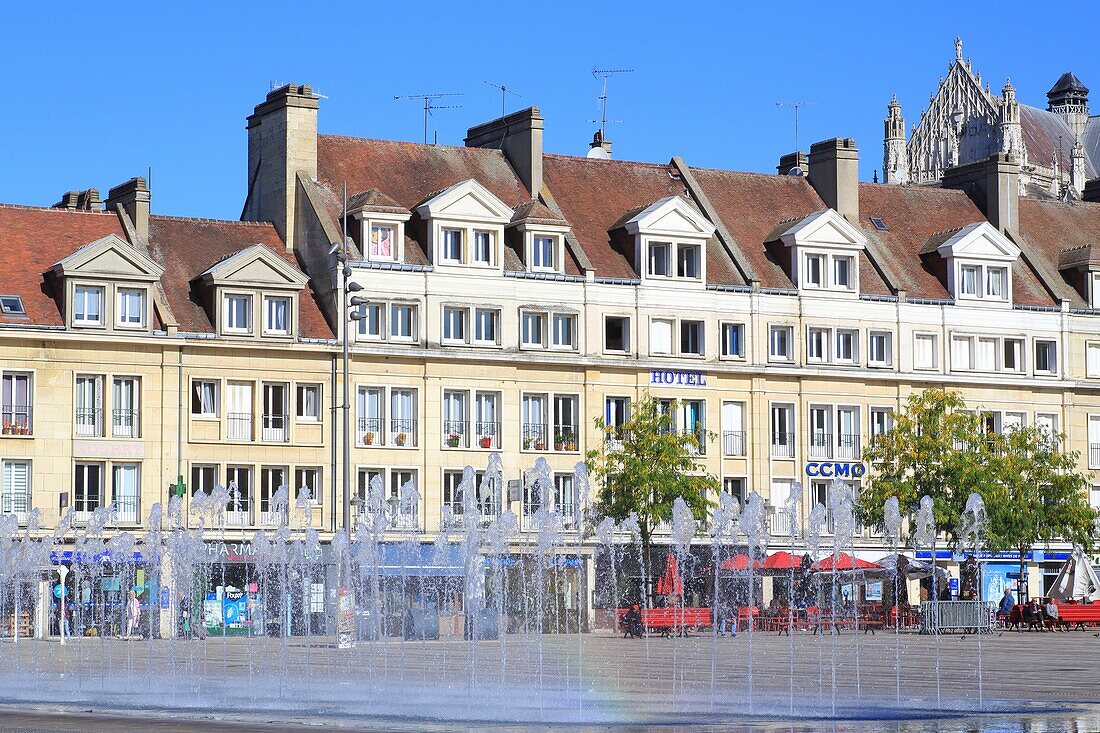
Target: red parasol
<point x="740" y="563"/>
<point x="782" y="561"/>
<point x="844" y="561"/>
<point x="670" y="583"/>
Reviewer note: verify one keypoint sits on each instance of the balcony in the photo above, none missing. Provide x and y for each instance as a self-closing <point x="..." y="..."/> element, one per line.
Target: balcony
<point x="488" y="435"/>
<point x="487" y="511"/>
<point x="733" y="443"/>
<point x="16" y="419"/>
<point x="847" y="446"/>
<point x="456" y="433"/>
<point x="238" y="513"/>
<point x="127" y="509"/>
<point x="534" y="436"/>
<point x="275" y="428"/>
<point x="700" y="439"/>
<point x="124" y="424"/>
<point x="565" y="438"/>
<point x="89" y="422"/>
<point x="369" y="431"/>
<point x="782" y="445"/>
<point x="821" y="445"/>
<point x="402" y="432"/>
<point x="400" y="521"/>
<point x="271" y="517"/>
<point x="779" y="523"/>
<point x="1094" y="455"/>
<point x="238" y="426"/>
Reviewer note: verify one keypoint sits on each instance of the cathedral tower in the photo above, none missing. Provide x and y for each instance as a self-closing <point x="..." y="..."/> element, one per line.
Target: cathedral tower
<point x="895" y="155"/>
<point x="1069" y="99"/>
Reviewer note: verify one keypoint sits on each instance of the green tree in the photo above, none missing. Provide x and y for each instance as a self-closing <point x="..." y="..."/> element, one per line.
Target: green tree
<point x="1036" y="494"/>
<point x="936" y="448"/>
<point x="645" y="464"/>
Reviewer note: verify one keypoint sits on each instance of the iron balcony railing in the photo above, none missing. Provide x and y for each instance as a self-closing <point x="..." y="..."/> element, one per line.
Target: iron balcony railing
<point x="456" y="433"/>
<point x="238" y="512"/>
<point x="733" y="443"/>
<point x="487" y="511"/>
<point x="124" y="423"/>
<point x="487" y="434"/>
<point x="565" y="437"/>
<point x="89" y="421"/>
<point x="239" y="425"/>
<point x="402" y="432"/>
<point x="534" y="436"/>
<point x="847" y="445"/>
<point x="127" y="509"/>
<point x="782" y="445"/>
<point x="1094" y="455"/>
<point x="821" y="445"/>
<point x="369" y="431"/>
<point x="275" y="427"/>
<point x="779" y="523"/>
<point x="16" y="419"/>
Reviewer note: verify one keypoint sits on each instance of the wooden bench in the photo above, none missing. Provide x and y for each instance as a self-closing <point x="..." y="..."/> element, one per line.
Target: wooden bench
<point x="669" y="621"/>
<point x="1078" y="614"/>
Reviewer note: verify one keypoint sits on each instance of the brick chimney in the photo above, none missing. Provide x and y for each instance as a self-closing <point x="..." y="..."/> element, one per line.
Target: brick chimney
<point x="282" y="140"/>
<point x="994" y="185"/>
<point x="790" y="161"/>
<point x="133" y="198"/>
<point x="519" y="136"/>
<point x="834" y="174"/>
<point x="86" y="200"/>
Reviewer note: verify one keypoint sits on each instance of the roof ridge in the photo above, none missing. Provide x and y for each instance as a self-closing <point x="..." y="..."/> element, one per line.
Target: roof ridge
<point x="32" y="207"/>
<point x="407" y="142"/>
<point x="611" y="161"/>
<point x="212" y="221"/>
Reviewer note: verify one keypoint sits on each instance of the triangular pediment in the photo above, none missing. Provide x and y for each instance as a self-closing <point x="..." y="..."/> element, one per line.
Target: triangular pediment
<point x="670" y="216"/>
<point x="466" y="201"/>
<point x="979" y="241"/>
<point x="825" y="228"/>
<point x="109" y="257"/>
<point x="256" y="266"/>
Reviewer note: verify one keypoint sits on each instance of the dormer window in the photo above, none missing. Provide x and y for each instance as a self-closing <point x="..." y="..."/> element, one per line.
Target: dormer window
<point x="659" y="259"/>
<point x="88" y="305"/>
<point x="983" y="281"/>
<point x="237" y="310"/>
<point x="483" y="248"/>
<point x="979" y="260"/>
<point x="669" y="236"/>
<point x="688" y="261"/>
<point x="382" y="242"/>
<point x="996" y="282"/>
<point x="842" y="272"/>
<point x="452" y="246"/>
<point x="544" y="254"/>
<point x="968" y="280"/>
<point x="814" y="265"/>
<point x="824" y="248"/>
<point x="130" y="308"/>
<point x="276" y="316"/>
<point x="465" y="225"/>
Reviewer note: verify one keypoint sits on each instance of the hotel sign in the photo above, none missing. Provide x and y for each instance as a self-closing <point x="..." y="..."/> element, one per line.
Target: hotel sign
<point x="677" y="378"/>
<point x="835" y="469"/>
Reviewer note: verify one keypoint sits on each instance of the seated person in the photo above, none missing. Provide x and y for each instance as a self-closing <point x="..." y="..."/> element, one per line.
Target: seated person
<point x="1007" y="603"/>
<point x="632" y="620"/>
<point x="1033" y="615"/>
<point x="1053" y="621"/>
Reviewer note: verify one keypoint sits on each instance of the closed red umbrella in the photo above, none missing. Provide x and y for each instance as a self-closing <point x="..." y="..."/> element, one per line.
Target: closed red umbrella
<point x="740" y="563"/>
<point x="670" y="583"/>
<point x="844" y="561"/>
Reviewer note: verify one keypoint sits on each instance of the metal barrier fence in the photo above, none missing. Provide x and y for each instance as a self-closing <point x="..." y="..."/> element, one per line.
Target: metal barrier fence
<point x="976" y="617"/>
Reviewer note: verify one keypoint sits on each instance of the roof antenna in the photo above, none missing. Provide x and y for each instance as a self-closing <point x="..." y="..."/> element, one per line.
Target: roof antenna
<point x="796" y="106"/>
<point x="606" y="74"/>
<point x="429" y="105"/>
<point x="504" y="92"/>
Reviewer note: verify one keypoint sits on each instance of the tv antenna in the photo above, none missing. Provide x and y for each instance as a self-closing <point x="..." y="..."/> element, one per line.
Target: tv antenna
<point x="504" y="92"/>
<point x="796" y="106"/>
<point x="605" y="74"/>
<point x="429" y="105"/>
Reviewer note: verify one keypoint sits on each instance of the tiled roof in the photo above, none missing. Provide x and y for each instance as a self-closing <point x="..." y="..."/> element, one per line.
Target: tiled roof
<point x="374" y="200"/>
<point x="535" y="212"/>
<point x="1053" y="226"/>
<point x="31" y="241"/>
<point x="188" y="247"/>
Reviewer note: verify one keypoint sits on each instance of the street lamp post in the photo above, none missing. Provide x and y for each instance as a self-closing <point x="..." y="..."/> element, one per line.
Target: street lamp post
<point x="349" y="313"/>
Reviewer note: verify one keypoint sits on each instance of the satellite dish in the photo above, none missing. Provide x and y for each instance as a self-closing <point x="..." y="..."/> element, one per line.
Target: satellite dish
<point x="598" y="153"/>
<point x="796" y="171"/>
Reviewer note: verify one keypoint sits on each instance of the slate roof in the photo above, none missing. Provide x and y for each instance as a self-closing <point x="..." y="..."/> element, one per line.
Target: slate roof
<point x="1046" y="133"/>
<point x="1068" y="82"/>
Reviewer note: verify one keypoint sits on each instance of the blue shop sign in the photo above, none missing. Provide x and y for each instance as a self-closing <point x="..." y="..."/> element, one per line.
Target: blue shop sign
<point x="677" y="378"/>
<point x="67" y="557"/>
<point x="1034" y="556"/>
<point x="835" y="469"/>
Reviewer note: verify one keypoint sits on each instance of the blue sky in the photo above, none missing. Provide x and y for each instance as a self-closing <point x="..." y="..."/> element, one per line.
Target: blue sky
<point x="100" y="92"/>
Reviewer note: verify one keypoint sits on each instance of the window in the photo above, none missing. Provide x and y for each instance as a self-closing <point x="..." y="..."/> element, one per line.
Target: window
<point x="276" y="413"/>
<point x="238" y="314"/>
<point x="1092" y="360"/>
<point x="962" y="353"/>
<point x="1013" y="355"/>
<point x="239" y="408"/>
<point x="487" y="419"/>
<point x="455" y="418"/>
<point x="779" y="343"/>
<point x="533" y="330"/>
<point x="847" y="345"/>
<point x="307" y="479"/>
<point x="87" y="305"/>
<point x="368" y="479"/>
<point x="735" y="487"/>
<point x="733" y="428"/>
<point x="308" y="402"/>
<point x="616" y="333"/>
<point x="660" y="336"/>
<point x="813" y="276"/>
<point x="452" y="246"/>
<point x="817" y="344"/>
<point x="403" y="417"/>
<point x="485" y="326"/>
<point x="924" y="351"/>
<point x="454" y="325"/>
<point x="996" y="282"/>
<point x="16" y="403"/>
<point x="15" y="489"/>
<point x="125" y="411"/>
<point x="565" y="327"/>
<point x="130" y="309"/>
<point x="204" y="398"/>
<point x="382" y="242"/>
<point x="882" y="420"/>
<point x="1046" y="361"/>
<point x="733" y="340"/>
<point x="12" y="305"/>
<point x="782" y="431"/>
<point x="968" y="280"/>
<point x="277" y="316"/>
<point x="89" y="405"/>
<point x="204" y="479"/>
<point x="880" y="348"/>
<point x="272" y="478"/>
<point x="483" y="248"/>
<point x="821" y="432"/>
<point x="691" y="338"/>
<point x="544" y="254"/>
<point x="842" y="272"/>
<point x="689" y="261"/>
<point x="693" y="419"/>
<point x="985" y="354"/>
<point x="372" y="324"/>
<point x="125" y="491"/>
<point x="659" y="259"/>
<point x="534" y="418"/>
<point x="616" y="412"/>
<point x="566" y="416"/>
<point x="87" y="487"/>
<point x="403" y="322"/>
<point x="238" y="480"/>
<point x="564" y="499"/>
<point x="371" y="402"/>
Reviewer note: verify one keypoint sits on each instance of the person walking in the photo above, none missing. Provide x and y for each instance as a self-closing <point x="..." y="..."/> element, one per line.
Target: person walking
<point x="133" y="614"/>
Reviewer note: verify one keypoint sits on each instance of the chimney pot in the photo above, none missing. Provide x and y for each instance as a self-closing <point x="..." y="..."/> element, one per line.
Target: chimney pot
<point x="133" y="197"/>
<point x="834" y="174"/>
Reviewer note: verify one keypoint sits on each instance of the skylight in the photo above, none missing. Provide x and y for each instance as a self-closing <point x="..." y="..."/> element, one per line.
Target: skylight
<point x="879" y="224"/>
<point x="12" y="305"/>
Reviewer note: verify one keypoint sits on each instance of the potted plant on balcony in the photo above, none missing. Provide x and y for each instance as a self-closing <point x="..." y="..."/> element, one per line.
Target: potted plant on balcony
<point x="570" y="441"/>
<point x="368" y="439"/>
<point x="540" y="443"/>
<point x="7" y="427"/>
<point x="486" y="441"/>
<point x="452" y="440"/>
<point x="527" y="442"/>
<point x="559" y="442"/>
<point x="400" y="438"/>
<point x="24" y="429"/>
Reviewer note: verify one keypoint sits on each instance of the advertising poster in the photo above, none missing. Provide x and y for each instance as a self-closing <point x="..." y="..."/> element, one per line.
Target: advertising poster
<point x="995" y="579"/>
<point x="345" y="621"/>
<point x="874" y="591"/>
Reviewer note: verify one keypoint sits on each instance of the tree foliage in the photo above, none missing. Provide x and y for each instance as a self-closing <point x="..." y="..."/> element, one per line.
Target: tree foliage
<point x="645" y="464"/>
